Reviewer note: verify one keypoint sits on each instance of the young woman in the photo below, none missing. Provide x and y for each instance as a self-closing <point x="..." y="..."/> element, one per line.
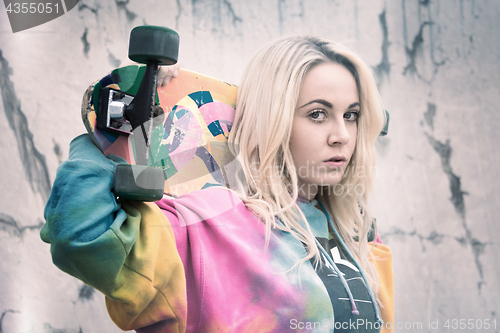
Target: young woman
<point x="291" y="249"/>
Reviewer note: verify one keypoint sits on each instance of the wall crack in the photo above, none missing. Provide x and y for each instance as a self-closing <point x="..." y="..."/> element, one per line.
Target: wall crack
<point x="9" y="224"/>
<point x="3" y="317"/>
<point x="235" y="17"/>
<point x="34" y="164"/>
<point x="47" y="328"/>
<point x="434" y="237"/>
<point x="384" y="67"/>
<point x="417" y="48"/>
<point x="121" y="4"/>
<point x="180" y="10"/>
<point x="85" y="42"/>
<point x="412" y="52"/>
<point x="430" y="114"/>
<point x="219" y="15"/>
<point x="82" y="7"/>
<point x="444" y="151"/>
<point x="86" y="293"/>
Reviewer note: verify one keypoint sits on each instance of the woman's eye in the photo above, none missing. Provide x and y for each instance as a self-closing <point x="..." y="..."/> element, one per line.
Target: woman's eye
<point x="351" y="115"/>
<point x="317" y="115"/>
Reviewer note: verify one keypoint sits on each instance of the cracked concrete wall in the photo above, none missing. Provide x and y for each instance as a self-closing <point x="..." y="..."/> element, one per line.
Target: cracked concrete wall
<point x="437" y="186"/>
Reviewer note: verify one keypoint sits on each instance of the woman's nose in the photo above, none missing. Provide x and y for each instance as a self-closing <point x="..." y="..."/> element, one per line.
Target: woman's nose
<point x="338" y="133"/>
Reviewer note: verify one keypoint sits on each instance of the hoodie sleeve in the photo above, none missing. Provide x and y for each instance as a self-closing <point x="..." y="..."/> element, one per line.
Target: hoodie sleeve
<point x="125" y="249"/>
<point x="381" y="257"/>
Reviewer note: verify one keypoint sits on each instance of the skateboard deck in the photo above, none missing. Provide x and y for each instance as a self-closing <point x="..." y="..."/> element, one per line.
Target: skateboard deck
<point x="189" y="142"/>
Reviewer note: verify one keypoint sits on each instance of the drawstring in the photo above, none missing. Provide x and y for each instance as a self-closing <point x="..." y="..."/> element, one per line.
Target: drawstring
<point x="344" y="282"/>
<point x="368" y="287"/>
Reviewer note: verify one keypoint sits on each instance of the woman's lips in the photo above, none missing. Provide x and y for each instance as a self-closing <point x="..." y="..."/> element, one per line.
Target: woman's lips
<point x="337" y="161"/>
<point x="337" y="164"/>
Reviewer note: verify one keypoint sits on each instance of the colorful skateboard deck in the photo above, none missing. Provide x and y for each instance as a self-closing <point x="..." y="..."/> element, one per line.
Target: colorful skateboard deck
<point x="189" y="142"/>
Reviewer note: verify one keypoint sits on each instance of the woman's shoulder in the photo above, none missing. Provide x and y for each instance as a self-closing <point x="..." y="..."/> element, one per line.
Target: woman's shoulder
<point x="206" y="204"/>
<point x="215" y="195"/>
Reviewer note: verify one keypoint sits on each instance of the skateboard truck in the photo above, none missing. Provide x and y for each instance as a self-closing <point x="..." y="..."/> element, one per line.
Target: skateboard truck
<point x="134" y="115"/>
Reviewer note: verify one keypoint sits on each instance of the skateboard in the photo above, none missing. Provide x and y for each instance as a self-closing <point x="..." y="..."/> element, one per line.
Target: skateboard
<point x="179" y="148"/>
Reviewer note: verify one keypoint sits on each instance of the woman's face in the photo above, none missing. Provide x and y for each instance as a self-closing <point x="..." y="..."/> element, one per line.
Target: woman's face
<point x="324" y="127"/>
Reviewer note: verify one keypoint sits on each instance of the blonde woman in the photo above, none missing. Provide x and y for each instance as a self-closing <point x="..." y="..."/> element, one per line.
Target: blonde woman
<point x="294" y="247"/>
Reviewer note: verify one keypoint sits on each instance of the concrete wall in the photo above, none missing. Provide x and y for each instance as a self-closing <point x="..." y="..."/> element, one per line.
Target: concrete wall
<point x="437" y="189"/>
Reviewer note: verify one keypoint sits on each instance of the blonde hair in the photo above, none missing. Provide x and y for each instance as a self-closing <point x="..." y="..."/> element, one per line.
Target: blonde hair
<point x="265" y="108"/>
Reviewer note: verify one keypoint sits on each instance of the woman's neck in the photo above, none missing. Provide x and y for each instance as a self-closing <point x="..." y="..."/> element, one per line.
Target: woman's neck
<point x="307" y="191"/>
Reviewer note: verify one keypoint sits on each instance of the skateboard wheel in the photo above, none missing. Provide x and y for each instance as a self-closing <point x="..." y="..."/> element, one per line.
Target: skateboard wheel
<point x="138" y="182"/>
<point x="150" y="42"/>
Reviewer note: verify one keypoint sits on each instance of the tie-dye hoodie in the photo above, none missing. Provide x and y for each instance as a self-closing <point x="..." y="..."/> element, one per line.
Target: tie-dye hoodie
<point x="197" y="263"/>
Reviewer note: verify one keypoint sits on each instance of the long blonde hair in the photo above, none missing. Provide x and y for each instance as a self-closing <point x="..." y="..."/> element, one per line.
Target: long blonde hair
<point x="265" y="108"/>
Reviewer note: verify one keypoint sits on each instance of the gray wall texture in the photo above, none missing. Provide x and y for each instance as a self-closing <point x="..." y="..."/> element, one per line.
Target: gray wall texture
<point x="437" y="196"/>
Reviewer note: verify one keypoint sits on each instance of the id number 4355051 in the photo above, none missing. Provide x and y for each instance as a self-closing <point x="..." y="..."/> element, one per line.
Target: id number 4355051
<point x="478" y="324"/>
<point x="32" y="7"/>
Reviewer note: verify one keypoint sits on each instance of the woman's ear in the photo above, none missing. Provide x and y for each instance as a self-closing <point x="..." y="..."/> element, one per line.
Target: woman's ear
<point x="385" y="130"/>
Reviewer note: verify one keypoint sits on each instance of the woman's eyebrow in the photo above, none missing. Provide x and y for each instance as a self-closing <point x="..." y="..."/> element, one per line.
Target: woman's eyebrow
<point x="320" y="101"/>
<point x="327" y="104"/>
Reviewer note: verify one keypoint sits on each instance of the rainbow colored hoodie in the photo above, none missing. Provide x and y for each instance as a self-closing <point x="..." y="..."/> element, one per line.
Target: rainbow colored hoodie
<point x="198" y="263"/>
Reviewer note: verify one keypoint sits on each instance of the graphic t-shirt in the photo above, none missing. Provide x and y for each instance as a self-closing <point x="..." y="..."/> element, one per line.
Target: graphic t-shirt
<point x="345" y="320"/>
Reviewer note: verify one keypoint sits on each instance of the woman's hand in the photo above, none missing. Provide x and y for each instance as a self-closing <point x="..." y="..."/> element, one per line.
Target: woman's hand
<point x="165" y="73"/>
